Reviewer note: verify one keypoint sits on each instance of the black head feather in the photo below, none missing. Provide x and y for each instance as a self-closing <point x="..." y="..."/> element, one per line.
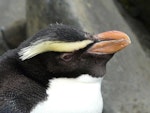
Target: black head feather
<point x="51" y="64"/>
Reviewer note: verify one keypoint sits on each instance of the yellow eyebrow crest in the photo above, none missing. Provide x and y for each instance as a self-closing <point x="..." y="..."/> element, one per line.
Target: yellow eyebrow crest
<point x="55" y="46"/>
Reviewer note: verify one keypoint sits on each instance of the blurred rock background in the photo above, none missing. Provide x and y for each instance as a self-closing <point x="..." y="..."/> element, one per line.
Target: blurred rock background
<point x="12" y="18"/>
<point x="126" y="86"/>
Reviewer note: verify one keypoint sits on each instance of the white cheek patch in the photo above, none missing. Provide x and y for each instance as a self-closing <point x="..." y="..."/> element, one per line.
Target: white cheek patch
<point x="42" y="46"/>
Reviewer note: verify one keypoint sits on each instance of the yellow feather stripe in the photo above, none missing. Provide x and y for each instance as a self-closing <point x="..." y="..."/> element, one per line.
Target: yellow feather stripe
<point x="56" y="46"/>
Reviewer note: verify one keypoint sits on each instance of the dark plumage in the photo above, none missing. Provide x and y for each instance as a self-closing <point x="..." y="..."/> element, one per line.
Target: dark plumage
<point x="23" y="83"/>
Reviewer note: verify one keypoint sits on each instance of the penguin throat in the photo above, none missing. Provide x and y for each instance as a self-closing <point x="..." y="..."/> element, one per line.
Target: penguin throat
<point x="68" y="95"/>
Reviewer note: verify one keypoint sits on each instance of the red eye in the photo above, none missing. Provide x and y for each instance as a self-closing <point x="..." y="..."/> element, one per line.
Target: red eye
<point x="66" y="56"/>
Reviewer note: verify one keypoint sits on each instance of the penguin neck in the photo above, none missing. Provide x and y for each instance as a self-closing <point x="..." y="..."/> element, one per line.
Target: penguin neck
<point x="72" y="95"/>
<point x="33" y="69"/>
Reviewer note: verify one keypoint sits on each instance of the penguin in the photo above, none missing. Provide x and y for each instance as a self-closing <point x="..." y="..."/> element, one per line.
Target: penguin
<point x="58" y="70"/>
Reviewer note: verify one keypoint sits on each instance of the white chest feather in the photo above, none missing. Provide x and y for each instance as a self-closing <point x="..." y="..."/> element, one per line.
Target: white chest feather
<point x="80" y="95"/>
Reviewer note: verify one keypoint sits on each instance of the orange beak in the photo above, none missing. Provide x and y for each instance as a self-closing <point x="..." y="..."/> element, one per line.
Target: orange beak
<point x="109" y="42"/>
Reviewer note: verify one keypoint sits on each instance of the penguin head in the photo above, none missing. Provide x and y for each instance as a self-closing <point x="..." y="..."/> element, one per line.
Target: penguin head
<point x="65" y="51"/>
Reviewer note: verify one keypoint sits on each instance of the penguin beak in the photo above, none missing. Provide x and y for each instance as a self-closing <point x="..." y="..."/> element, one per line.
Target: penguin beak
<point x="109" y="42"/>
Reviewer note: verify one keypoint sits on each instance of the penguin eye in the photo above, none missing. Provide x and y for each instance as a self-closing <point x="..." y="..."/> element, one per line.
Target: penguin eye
<point x="66" y="56"/>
